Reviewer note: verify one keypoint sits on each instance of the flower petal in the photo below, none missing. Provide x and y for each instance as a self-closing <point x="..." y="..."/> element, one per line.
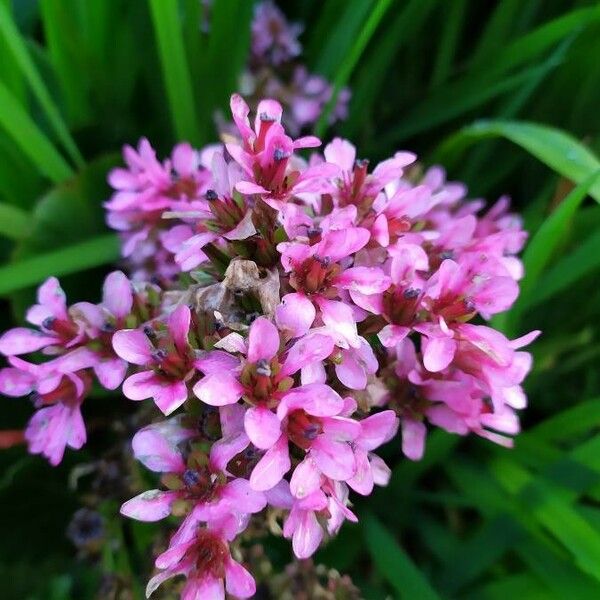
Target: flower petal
<point x="152" y="505"/>
<point x="263" y="340"/>
<point x="295" y="314"/>
<point x="272" y="466"/>
<point x="219" y="389"/>
<point x="133" y="346"/>
<point x="262" y="427"/>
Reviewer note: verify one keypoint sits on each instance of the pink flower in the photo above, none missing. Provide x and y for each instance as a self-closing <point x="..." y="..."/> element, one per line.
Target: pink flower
<point x="370" y="469"/>
<point x="58" y="423"/>
<point x="355" y="186"/>
<point x="202" y="485"/>
<point x="274" y="40"/>
<point x="100" y="322"/>
<point x="266" y="152"/>
<point x="57" y="331"/>
<point x="457" y="291"/>
<point x="202" y="555"/>
<point x="318" y="274"/>
<point x="311" y="418"/>
<point x="167" y="356"/>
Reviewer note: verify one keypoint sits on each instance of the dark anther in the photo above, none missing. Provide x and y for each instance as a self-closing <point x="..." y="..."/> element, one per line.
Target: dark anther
<point x="251" y="317"/>
<point x="311" y="432"/>
<point x="159" y="354"/>
<point x="361" y="163"/>
<point x="411" y="293"/>
<point x="211" y="195"/>
<point x="250" y="453"/>
<point x="447" y="255"/>
<point x="48" y="322"/>
<point x="265" y="117"/>
<point x="191" y="477"/>
<point x="263" y="368"/>
<point x="149" y="331"/>
<point x="469" y="304"/>
<point x="155" y="280"/>
<point x="107" y="327"/>
<point x="325" y="261"/>
<point x="280" y="154"/>
<point x="314" y="232"/>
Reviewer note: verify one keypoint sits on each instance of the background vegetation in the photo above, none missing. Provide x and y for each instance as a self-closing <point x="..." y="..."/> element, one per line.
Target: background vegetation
<point x="506" y="94"/>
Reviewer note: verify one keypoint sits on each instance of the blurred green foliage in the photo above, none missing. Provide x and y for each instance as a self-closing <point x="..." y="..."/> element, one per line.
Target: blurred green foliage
<point x="504" y="93"/>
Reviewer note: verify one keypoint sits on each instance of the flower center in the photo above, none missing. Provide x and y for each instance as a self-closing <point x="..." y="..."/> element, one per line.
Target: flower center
<point x="211" y="554"/>
<point x="314" y="275"/>
<point x="303" y="428"/>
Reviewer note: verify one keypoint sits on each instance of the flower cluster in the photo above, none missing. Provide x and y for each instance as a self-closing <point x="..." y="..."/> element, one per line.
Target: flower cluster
<point x="274" y="71"/>
<point x="301" y="312"/>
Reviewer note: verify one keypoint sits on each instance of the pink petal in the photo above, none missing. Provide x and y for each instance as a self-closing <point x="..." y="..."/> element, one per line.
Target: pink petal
<point x="341" y="243"/>
<point x="340" y="319"/>
<point x="133" y="346"/>
<point x="140" y="386"/>
<point x="179" y="327"/>
<point x="391" y="335"/>
<point x="217" y="361"/>
<point x="307" y="535"/>
<point x="117" y="295"/>
<point x="185" y="159"/>
<point x="316" y="399"/>
<point x="111" y="372"/>
<point x="152" y="505"/>
<point x="219" y="389"/>
<point x="170" y="396"/>
<point x="15" y="382"/>
<point x="249" y="188"/>
<point x="306" y="478"/>
<point x="226" y="448"/>
<point x="340" y="152"/>
<point x="272" y="466"/>
<point x="263" y="340"/>
<point x="378" y="429"/>
<point x="438" y="353"/>
<point x="366" y="280"/>
<point x="335" y="459"/>
<point x="413" y="438"/>
<point x="238" y="581"/>
<point x="341" y="429"/>
<point x="51" y="295"/>
<point x="295" y="314"/>
<point x="306" y="351"/>
<point x="262" y="426"/>
<point x="350" y="372"/>
<point x="157" y="446"/>
<point x="362" y="481"/>
<point x="242" y="498"/>
<point x="21" y="340"/>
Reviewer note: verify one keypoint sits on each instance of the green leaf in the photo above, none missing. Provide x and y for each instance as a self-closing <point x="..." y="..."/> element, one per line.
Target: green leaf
<point x="555" y="148"/>
<point x="227" y="53"/>
<point x="344" y="22"/>
<point x="540" y="249"/>
<point x="351" y="59"/>
<point x="67" y="51"/>
<point x="30" y="139"/>
<point x="167" y="27"/>
<point x="18" y="49"/>
<point x="548" y="507"/>
<point x="583" y="259"/>
<point x="67" y="235"/>
<point x="71" y="259"/>
<point x="14" y="222"/>
<point x="393" y="563"/>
